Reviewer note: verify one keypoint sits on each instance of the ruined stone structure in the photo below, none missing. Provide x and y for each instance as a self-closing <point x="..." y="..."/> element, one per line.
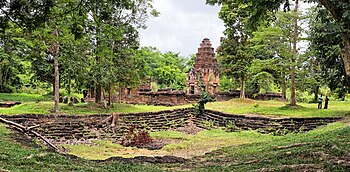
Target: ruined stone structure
<point x="204" y="76"/>
<point x="99" y="126"/>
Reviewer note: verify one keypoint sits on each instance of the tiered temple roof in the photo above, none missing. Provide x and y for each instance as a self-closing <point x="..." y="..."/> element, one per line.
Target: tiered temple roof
<point x="205" y="74"/>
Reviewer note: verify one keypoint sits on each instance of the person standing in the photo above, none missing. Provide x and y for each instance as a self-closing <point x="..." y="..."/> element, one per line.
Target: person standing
<point x="320" y="102"/>
<point x="326" y="102"/>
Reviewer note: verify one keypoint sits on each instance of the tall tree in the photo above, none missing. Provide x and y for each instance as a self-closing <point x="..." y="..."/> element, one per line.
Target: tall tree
<point x="235" y="53"/>
<point x="293" y="100"/>
<point x="325" y="38"/>
<point x="272" y="48"/>
<point x="339" y="9"/>
<point x="254" y="20"/>
<point x="13" y="48"/>
<point x="113" y="32"/>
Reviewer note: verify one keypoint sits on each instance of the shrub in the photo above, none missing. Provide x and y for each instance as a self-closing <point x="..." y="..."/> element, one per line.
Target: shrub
<point x="136" y="138"/>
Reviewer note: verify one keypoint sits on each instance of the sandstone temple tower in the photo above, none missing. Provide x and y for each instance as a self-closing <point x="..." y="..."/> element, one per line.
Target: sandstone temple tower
<point x="204" y="76"/>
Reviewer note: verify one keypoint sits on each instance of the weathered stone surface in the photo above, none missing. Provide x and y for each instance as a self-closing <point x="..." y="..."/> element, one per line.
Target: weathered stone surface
<point x="205" y="70"/>
<point x="96" y="126"/>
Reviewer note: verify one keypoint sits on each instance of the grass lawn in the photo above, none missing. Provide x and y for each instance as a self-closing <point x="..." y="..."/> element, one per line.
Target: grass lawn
<point x="20" y="97"/>
<point x="16" y="157"/>
<point x="270" y="108"/>
<point x="184" y="145"/>
<point x="81" y="108"/>
<point x="325" y="148"/>
<point x="274" y="108"/>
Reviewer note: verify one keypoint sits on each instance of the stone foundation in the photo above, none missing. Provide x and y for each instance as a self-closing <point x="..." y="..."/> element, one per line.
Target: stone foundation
<point x="178" y="97"/>
<point x="98" y="126"/>
<point x="277" y="126"/>
<point x="65" y="127"/>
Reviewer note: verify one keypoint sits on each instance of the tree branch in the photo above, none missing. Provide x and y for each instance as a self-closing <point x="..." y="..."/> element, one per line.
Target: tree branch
<point x="29" y="129"/>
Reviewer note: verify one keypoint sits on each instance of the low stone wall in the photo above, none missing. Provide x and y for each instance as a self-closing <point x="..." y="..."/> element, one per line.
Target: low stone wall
<point x="262" y="124"/>
<point x="174" y="98"/>
<point x="98" y="126"/>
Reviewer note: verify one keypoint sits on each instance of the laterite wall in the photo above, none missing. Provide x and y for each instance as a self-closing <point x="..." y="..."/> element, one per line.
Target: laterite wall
<point x="99" y="125"/>
<point x="262" y="124"/>
<point x="96" y="126"/>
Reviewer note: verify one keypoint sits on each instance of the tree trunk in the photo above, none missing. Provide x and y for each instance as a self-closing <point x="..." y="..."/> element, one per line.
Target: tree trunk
<point x="120" y="93"/>
<point x="69" y="86"/>
<point x="53" y="83"/>
<point x="242" y="95"/>
<point x="316" y="93"/>
<point x="109" y="94"/>
<point x="284" y="89"/>
<point x="345" y="47"/>
<point x="345" y="53"/>
<point x="98" y="95"/>
<point x="56" y="74"/>
<point x="293" y="101"/>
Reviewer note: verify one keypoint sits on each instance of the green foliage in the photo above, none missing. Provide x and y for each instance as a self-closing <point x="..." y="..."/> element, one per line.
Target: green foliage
<point x="167" y="69"/>
<point x="205" y="98"/>
<point x="325" y="37"/>
<point x="227" y="83"/>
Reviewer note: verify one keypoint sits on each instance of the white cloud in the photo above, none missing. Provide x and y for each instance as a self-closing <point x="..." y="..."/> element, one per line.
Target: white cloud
<point x="182" y="26"/>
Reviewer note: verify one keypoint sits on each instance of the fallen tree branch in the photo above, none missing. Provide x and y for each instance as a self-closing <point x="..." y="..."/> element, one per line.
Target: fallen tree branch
<point x="23" y="129"/>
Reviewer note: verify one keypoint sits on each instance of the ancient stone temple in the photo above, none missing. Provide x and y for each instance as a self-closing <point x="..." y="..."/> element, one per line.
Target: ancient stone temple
<point x="204" y="76"/>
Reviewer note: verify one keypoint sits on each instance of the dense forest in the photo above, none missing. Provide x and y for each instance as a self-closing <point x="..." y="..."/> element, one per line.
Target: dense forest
<point x="64" y="47"/>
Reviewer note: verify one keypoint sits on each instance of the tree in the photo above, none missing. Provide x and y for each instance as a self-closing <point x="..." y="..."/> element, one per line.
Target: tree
<point x="235" y="59"/>
<point x="167" y="69"/>
<point x="257" y="16"/>
<point x="44" y="22"/>
<point x="12" y="49"/>
<point x="325" y="38"/>
<point x="235" y="55"/>
<point x="113" y="32"/>
<point x="293" y="100"/>
<point x="272" y="48"/>
<point x="339" y="9"/>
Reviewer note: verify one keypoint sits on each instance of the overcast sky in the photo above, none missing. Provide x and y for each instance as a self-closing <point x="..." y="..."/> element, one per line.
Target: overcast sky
<point x="182" y="25"/>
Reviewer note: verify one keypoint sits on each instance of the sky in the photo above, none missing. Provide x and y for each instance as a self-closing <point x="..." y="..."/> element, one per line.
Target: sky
<point x="182" y="25"/>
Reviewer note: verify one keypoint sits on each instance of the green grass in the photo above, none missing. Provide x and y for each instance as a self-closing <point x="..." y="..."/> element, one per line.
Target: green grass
<point x="81" y="108"/>
<point x="257" y="152"/>
<point x="20" y="97"/>
<point x="323" y="148"/>
<point x="182" y="145"/>
<point x="280" y="109"/>
<point x="16" y="157"/>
